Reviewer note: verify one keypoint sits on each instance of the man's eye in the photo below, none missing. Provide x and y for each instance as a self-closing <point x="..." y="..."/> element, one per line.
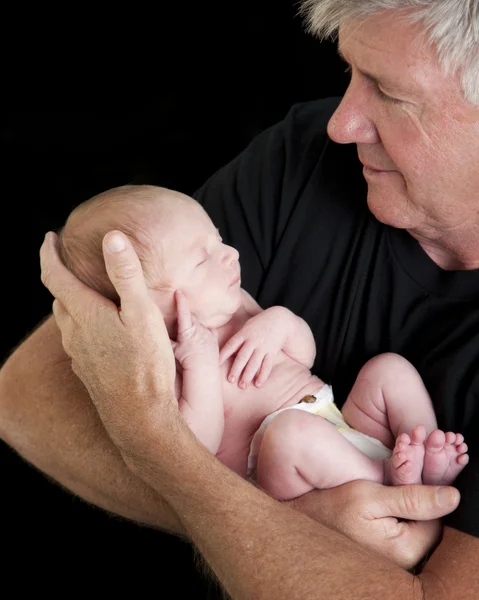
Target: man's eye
<point x="387" y="98"/>
<point x="202" y="262"/>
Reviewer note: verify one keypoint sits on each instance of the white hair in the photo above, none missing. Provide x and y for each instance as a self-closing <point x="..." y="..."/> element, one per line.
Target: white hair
<point x="452" y="26"/>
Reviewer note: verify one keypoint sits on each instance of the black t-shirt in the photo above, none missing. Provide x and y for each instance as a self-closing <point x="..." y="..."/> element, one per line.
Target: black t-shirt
<point x="294" y="205"/>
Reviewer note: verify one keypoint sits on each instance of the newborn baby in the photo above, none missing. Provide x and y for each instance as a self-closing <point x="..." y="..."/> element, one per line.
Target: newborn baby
<point x="243" y="373"/>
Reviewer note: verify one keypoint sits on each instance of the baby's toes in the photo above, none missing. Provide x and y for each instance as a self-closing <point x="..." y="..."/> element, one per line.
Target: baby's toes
<point x="403" y="439"/>
<point x="398" y="458"/>
<point x="462" y="459"/>
<point x="450" y="437"/>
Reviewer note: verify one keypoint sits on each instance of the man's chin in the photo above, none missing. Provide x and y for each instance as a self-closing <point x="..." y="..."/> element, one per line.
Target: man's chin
<point x="390" y="209"/>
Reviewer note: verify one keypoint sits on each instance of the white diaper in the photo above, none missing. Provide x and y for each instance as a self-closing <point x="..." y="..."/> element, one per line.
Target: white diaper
<point x="321" y="404"/>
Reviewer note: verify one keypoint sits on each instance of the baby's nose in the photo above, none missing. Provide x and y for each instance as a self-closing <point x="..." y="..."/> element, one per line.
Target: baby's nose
<point x="230" y="255"/>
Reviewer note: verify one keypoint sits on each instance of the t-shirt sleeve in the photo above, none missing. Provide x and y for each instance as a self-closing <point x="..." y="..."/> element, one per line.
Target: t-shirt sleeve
<point x="251" y="198"/>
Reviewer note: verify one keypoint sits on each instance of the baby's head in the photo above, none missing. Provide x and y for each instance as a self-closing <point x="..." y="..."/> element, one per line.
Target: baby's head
<point x="176" y="242"/>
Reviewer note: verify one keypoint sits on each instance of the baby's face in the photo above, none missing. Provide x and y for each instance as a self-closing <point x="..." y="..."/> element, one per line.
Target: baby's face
<point x="196" y="261"/>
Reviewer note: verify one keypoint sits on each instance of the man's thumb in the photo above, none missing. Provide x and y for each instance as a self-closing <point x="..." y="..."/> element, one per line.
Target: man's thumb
<point x="416" y="502"/>
<point x="124" y="270"/>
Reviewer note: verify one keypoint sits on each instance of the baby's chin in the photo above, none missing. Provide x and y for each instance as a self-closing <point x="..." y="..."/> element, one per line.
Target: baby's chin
<point x="216" y="321"/>
<point x="213" y="321"/>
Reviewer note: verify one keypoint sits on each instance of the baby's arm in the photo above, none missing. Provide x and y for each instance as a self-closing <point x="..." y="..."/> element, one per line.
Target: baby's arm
<point x="201" y="401"/>
<point x="262" y="337"/>
<point x="299" y="343"/>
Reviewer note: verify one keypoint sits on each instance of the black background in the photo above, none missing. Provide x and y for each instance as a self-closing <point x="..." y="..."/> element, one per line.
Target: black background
<point x="169" y="97"/>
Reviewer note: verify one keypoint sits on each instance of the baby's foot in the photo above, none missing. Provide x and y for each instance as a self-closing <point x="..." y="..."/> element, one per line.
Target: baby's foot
<point x="445" y="457"/>
<point x="407" y="460"/>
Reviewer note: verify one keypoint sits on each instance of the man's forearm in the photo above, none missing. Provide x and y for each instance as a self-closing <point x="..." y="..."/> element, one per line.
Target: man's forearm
<point x="260" y="548"/>
<point x="48" y="418"/>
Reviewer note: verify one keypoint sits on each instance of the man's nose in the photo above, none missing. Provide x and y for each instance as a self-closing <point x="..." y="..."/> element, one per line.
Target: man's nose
<point x="352" y="122"/>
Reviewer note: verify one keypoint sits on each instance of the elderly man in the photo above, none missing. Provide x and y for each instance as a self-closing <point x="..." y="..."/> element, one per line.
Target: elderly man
<point x="393" y="268"/>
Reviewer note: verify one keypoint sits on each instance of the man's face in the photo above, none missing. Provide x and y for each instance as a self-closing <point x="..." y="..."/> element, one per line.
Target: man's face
<point x="416" y="136"/>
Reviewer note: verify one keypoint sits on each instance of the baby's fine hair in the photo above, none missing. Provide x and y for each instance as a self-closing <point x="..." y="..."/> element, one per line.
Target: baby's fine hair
<point x="128" y="209"/>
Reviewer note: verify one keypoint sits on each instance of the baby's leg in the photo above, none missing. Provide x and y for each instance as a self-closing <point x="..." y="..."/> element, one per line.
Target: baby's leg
<point x="390" y="402"/>
<point x="301" y="451"/>
<point x="389" y="398"/>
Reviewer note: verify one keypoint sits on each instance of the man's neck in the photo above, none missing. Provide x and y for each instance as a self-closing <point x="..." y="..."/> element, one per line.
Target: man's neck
<point x="451" y="252"/>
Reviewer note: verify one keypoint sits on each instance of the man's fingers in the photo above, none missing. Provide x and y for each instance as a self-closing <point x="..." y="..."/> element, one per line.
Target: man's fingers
<point x="125" y="272"/>
<point x="63" y="321"/>
<point x="403" y="542"/>
<point x="414" y="502"/>
<point x="63" y="285"/>
<point x="59" y="312"/>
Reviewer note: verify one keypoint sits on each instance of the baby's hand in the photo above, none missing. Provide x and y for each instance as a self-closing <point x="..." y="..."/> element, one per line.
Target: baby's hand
<point x="195" y="344"/>
<point x="256" y="345"/>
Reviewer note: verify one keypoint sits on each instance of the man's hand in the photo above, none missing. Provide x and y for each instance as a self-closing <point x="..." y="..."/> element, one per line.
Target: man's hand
<point x="368" y="513"/>
<point x="122" y="355"/>
<point x="256" y="345"/>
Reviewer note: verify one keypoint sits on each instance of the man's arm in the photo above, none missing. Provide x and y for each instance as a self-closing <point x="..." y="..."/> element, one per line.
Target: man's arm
<point x="283" y="553"/>
<point x="47" y="416"/>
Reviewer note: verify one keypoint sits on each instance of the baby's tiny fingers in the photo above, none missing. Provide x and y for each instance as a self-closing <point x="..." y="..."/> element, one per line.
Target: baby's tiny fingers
<point x="183" y="312"/>
<point x="230" y="348"/>
<point x="251" y="369"/>
<point x="239" y="363"/>
<point x="264" y="371"/>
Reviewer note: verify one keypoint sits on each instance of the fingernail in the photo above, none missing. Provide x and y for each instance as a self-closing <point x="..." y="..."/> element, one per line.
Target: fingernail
<point x="232" y="378"/>
<point x="115" y="243"/>
<point x="447" y="496"/>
